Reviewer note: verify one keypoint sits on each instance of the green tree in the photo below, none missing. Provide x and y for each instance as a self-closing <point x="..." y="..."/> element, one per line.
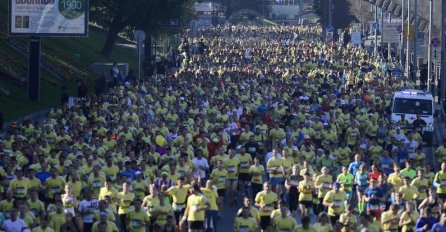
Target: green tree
<point x="149" y="15"/>
<point x="231" y="6"/>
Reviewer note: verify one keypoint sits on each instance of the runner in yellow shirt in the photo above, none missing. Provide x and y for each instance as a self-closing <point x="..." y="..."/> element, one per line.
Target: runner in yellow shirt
<point x="257" y="172"/>
<point x="409" y="218"/>
<point x="266" y="201"/>
<point x="195" y="210"/>
<point x="125" y="202"/>
<point x="323" y="184"/>
<point x="275" y="170"/>
<point x="345" y="178"/>
<point x="440" y="181"/>
<point x="20" y="185"/>
<point x="244" y="176"/>
<point x="179" y="196"/>
<point x="212" y="213"/>
<point x="335" y="201"/>
<point x="390" y="219"/>
<point x="138" y="219"/>
<point x="306" y="188"/>
<point x="284" y="222"/>
<point x="232" y="166"/>
<point x="218" y="176"/>
<point x="245" y="223"/>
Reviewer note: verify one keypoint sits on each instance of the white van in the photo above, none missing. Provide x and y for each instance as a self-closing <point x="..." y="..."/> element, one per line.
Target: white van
<point x="410" y="103"/>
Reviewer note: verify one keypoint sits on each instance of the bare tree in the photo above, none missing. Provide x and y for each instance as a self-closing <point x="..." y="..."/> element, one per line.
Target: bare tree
<point x="361" y="10"/>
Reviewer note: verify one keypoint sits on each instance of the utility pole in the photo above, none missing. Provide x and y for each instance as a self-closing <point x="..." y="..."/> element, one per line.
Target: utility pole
<point x="429" y="49"/>
<point x="402" y="34"/>
<point x="376" y="29"/>
<point x="443" y="50"/>
<point x="389" y="49"/>
<point x="382" y="29"/>
<point x="415" y="23"/>
<point x="330" y="13"/>
<point x="408" y="41"/>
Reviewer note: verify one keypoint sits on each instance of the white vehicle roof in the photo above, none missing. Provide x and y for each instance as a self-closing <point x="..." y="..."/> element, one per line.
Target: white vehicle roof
<point x="413" y="94"/>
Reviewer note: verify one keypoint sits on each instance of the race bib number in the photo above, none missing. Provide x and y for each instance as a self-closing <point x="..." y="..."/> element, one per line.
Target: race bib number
<point x="337" y="203"/>
<point x="244" y="165"/>
<point x="231" y="169"/>
<point x="177" y="207"/>
<point x="268" y="208"/>
<point x="55" y="190"/>
<point x="20" y="191"/>
<point x="136" y="224"/>
<point x="97" y="184"/>
<point x="243" y="229"/>
<point x="326" y="185"/>
<point x="221" y="179"/>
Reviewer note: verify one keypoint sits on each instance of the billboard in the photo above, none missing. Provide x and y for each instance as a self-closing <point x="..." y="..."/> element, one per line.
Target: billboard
<point x="48" y="17"/>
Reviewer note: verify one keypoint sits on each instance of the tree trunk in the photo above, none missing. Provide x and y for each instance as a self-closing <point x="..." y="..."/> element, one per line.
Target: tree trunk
<point x="115" y="27"/>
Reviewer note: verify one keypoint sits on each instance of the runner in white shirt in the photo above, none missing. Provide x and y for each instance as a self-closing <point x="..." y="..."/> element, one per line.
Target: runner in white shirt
<point x="201" y="166"/>
<point x="14" y="224"/>
<point x="87" y="208"/>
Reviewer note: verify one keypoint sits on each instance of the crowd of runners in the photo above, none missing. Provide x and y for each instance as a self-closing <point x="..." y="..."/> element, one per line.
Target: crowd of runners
<point x="293" y="131"/>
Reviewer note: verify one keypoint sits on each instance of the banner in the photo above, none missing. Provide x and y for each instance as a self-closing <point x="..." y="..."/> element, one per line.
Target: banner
<point x="48" y="17"/>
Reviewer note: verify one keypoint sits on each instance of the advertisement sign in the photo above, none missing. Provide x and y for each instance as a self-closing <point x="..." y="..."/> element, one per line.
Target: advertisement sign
<point x="48" y="17"/>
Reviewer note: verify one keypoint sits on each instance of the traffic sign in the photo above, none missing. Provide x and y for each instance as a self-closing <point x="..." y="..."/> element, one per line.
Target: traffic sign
<point x="330" y="29"/>
<point x="435" y="42"/>
<point x="391" y="32"/>
<point x="140" y="36"/>
<point x="329" y="37"/>
<point x="375" y="25"/>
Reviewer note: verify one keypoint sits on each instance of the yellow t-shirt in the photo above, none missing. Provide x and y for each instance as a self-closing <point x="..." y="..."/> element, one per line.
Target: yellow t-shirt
<point x="56" y="220"/>
<point x="306" y="190"/>
<point x="194" y="202"/>
<point x="323" y="228"/>
<point x="257" y="173"/>
<point x="19" y="187"/>
<point x="163" y="211"/>
<point x="267" y="201"/>
<point x="139" y="188"/>
<point x="338" y="199"/>
<point x="412" y="218"/>
<point x="409" y="193"/>
<point x="421" y="184"/>
<point x="395" y="180"/>
<point x="54" y="186"/>
<point x="245" y="162"/>
<point x="391" y="225"/>
<point x="245" y="224"/>
<point x="111" y="227"/>
<point x="231" y="165"/>
<point x="276" y="164"/>
<point x="40" y="229"/>
<point x="325" y="183"/>
<point x="219" y="178"/>
<point x="212" y="196"/>
<point x="179" y="196"/>
<point x="346" y="181"/>
<point x="440" y="178"/>
<point x="287" y="223"/>
<point x="347" y="220"/>
<point x="126" y="202"/>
